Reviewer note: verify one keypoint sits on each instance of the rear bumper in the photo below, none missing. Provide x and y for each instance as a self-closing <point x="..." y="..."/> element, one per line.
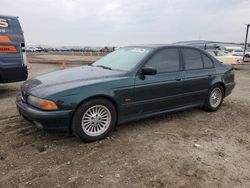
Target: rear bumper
<point x="229" y="88"/>
<point x="14" y="74"/>
<point x="52" y="121"/>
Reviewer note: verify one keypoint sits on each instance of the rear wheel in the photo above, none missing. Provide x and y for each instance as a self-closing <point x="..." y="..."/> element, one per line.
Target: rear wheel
<point x="94" y="120"/>
<point x="215" y="98"/>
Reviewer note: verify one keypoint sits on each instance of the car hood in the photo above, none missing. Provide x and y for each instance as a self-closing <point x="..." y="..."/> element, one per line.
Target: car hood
<point x="62" y="80"/>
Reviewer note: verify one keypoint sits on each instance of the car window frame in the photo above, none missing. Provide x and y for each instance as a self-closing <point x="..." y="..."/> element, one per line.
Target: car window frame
<point x="157" y="51"/>
<point x="200" y="52"/>
<point x="184" y="64"/>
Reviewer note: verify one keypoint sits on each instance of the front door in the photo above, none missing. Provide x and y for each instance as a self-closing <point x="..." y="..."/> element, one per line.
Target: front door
<point x="161" y="91"/>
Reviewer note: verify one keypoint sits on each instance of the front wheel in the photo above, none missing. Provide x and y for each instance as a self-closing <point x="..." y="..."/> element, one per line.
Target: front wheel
<point x="94" y="120"/>
<point x="215" y="98"/>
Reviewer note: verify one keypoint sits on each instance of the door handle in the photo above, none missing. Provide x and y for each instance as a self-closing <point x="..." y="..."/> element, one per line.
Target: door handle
<point x="209" y="75"/>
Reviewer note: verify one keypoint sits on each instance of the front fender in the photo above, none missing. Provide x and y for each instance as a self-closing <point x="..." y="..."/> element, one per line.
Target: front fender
<point x="71" y="101"/>
<point x="116" y="90"/>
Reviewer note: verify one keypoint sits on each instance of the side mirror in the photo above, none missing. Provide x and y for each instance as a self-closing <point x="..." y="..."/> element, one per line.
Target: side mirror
<point x="148" y="71"/>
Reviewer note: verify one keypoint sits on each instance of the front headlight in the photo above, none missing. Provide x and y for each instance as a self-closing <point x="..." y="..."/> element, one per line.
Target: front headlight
<point x="42" y="103"/>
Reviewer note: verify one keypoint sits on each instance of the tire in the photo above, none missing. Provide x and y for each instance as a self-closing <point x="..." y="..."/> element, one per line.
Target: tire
<point x="247" y="55"/>
<point x="215" y="98"/>
<point x="94" y="120"/>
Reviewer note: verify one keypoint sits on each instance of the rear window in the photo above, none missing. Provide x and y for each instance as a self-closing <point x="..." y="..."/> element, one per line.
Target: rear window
<point x="208" y="63"/>
<point x="192" y="59"/>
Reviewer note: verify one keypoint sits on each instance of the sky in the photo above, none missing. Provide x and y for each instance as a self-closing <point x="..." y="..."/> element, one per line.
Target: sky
<point x="128" y="22"/>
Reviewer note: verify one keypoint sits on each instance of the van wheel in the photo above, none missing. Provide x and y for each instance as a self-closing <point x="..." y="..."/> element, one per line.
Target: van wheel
<point x="94" y="120"/>
<point x="215" y="98"/>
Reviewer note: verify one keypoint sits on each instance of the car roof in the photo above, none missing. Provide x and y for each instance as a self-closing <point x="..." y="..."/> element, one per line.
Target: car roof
<point x="159" y="46"/>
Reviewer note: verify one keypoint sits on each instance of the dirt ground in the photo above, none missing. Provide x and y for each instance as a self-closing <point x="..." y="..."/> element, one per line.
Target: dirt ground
<point x="186" y="149"/>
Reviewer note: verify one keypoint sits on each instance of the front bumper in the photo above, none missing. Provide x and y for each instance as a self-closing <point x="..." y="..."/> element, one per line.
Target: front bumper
<point x="55" y="121"/>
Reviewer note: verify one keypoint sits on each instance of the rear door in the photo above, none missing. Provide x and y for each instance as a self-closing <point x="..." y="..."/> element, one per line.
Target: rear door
<point x="163" y="90"/>
<point x="197" y="76"/>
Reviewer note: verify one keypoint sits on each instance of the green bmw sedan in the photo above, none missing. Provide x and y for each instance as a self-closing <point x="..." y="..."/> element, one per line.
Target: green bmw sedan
<point x="128" y="84"/>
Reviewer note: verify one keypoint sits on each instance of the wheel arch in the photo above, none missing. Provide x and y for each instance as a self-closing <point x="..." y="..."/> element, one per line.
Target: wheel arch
<point x="106" y="97"/>
<point x="221" y="84"/>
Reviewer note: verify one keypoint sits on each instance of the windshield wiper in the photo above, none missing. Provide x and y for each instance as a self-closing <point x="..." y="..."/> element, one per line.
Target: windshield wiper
<point x="102" y="66"/>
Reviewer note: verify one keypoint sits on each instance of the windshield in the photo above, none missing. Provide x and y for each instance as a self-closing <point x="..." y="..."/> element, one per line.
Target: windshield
<point x="124" y="59"/>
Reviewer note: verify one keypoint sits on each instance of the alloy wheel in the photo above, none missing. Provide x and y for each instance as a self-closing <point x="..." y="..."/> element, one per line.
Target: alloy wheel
<point x="215" y="97"/>
<point x="96" y="120"/>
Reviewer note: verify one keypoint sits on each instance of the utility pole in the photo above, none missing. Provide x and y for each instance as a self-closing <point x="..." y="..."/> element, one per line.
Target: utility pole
<point x="245" y="45"/>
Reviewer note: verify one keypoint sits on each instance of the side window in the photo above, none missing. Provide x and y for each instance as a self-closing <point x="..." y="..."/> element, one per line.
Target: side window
<point x="208" y="63"/>
<point x="192" y="59"/>
<point x="166" y="60"/>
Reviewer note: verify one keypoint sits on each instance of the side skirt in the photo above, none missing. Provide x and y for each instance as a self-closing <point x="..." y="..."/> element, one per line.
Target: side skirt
<point x="143" y="116"/>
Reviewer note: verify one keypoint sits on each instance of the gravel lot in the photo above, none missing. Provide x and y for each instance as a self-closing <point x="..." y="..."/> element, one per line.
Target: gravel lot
<point x="186" y="149"/>
<point x="52" y="58"/>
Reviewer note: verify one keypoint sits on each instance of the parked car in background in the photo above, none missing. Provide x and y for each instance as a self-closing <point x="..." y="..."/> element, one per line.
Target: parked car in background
<point x="247" y="53"/>
<point x="33" y="49"/>
<point x="218" y="52"/>
<point x="12" y="50"/>
<point x="222" y="53"/>
<point x="230" y="60"/>
<point x="212" y="52"/>
<point x="226" y="57"/>
<point x="237" y="52"/>
<point x="232" y="48"/>
<point x="128" y="84"/>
